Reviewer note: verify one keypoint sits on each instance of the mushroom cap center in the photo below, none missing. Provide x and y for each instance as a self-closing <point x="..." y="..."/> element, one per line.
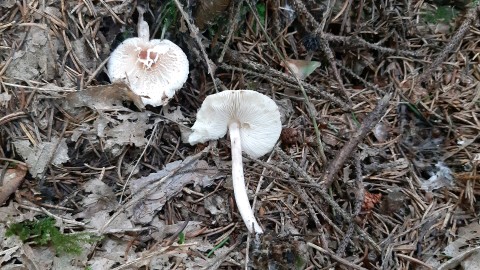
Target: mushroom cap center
<point x="147" y="58"/>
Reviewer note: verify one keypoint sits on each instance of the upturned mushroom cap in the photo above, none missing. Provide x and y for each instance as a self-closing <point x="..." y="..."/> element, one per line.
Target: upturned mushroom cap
<point x="153" y="69"/>
<point x="257" y="115"/>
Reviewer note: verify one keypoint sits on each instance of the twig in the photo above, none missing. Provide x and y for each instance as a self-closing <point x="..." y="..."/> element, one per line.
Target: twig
<point x="215" y="264"/>
<point x="417" y="261"/>
<point x="331" y="60"/>
<point x="233" y="26"/>
<point x="335" y="257"/>
<point x="455" y="41"/>
<point x="50" y="214"/>
<point x="137" y="162"/>
<point x="370" y="121"/>
<point x="303" y="195"/>
<point x="174" y="236"/>
<point x="280" y="78"/>
<point x="128" y="264"/>
<point x="302" y="9"/>
<point x="310" y="108"/>
<point x="353" y="40"/>
<point x="365" y="82"/>
<point x="359" y="197"/>
<point x="326" y="197"/>
<point x="195" y="34"/>
<point x="356" y="41"/>
<point x="360" y="191"/>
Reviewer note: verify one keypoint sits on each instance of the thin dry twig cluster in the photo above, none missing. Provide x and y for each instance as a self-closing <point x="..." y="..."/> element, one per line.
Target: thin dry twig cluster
<point x="377" y="167"/>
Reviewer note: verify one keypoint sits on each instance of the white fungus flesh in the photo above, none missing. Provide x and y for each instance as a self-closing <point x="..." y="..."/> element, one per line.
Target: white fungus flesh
<point x="154" y="69"/>
<point x="253" y="122"/>
<point x="257" y="115"/>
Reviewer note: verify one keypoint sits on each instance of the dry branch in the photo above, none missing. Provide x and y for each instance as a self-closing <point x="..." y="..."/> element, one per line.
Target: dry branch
<point x="194" y="32"/>
<point x="454" y="42"/>
<point x="370" y="121"/>
<point x="324" y="195"/>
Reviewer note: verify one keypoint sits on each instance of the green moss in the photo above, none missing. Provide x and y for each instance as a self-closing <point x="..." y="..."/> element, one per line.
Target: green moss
<point x="300" y="263"/>
<point x="43" y="232"/>
<point x="443" y="14"/>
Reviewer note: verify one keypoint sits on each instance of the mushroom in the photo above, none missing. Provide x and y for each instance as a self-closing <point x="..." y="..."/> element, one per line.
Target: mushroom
<point x="253" y="122"/>
<point x="154" y="69"/>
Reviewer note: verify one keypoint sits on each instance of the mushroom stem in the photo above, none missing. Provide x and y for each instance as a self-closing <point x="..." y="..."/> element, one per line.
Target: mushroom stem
<point x="143" y="29"/>
<point x="239" y="189"/>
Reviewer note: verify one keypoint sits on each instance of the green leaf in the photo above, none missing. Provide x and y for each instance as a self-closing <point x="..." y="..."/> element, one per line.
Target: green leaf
<point x="181" y="238"/>
<point x="301" y="68"/>
<point x="218" y="246"/>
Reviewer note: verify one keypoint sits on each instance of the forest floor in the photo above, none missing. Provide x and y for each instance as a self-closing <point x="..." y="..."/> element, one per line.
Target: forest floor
<point x="376" y="167"/>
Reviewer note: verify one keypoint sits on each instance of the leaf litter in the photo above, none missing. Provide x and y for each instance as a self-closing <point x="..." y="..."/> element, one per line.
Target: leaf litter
<point x="196" y="172"/>
<point x="11" y="180"/>
<point x="87" y="143"/>
<point x="41" y="155"/>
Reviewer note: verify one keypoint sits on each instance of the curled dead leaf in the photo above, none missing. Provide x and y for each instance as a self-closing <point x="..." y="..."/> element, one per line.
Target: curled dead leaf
<point x="105" y="97"/>
<point x="11" y="181"/>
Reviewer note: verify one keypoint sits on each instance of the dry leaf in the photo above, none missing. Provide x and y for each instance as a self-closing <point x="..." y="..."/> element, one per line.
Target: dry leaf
<point x="101" y="198"/>
<point x="9" y="246"/>
<point x="130" y="131"/>
<point x="38" y="156"/>
<point x="216" y="205"/>
<point x="177" y="117"/>
<point x="41" y="257"/>
<point x="467" y="238"/>
<point x="301" y="68"/>
<point x="11" y="181"/>
<point x="197" y="172"/>
<point x="464" y="250"/>
<point x="71" y="261"/>
<point x="104" y="97"/>
<point x="114" y="250"/>
<point x="208" y="10"/>
<point x="39" y="59"/>
<point x="99" y="206"/>
<point x="116" y="130"/>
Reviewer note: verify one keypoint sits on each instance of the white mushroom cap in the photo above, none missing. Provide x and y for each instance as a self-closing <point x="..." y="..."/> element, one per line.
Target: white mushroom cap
<point x="153" y="69"/>
<point x="258" y="117"/>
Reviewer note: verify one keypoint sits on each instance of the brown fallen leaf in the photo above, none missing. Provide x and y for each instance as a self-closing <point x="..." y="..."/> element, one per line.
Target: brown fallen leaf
<point x="104" y="97"/>
<point x="11" y="181"/>
<point x="209" y="10"/>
